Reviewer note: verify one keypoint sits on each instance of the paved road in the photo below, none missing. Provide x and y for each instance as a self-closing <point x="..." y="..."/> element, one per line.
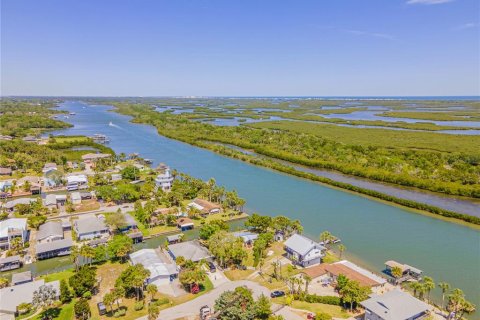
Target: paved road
<point x="191" y="308"/>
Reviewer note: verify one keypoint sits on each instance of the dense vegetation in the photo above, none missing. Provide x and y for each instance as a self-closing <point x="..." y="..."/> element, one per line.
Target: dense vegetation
<point x="19" y="118"/>
<point x="447" y="164"/>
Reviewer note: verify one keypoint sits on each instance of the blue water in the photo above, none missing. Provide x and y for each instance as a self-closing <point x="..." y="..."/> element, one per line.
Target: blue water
<point x="372" y="231"/>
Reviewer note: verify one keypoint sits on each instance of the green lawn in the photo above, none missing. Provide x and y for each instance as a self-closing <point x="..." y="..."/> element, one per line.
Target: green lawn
<point x="66" y="274"/>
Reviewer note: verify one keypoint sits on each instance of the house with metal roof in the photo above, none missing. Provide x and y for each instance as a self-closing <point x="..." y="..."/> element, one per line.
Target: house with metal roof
<point x="21" y="277"/>
<point x="162" y="270"/>
<point x="49" y="231"/>
<point x="395" y="305"/>
<point x="190" y="250"/>
<point x="12" y="228"/>
<point x="10" y="263"/>
<point x="247" y="237"/>
<point x="89" y="228"/>
<point x="53" y="249"/>
<point x="10" y="205"/>
<point x="304" y="251"/>
<point x="12" y="297"/>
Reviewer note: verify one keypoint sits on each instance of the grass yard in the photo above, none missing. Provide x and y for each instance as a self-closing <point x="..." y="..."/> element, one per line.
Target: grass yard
<point x="62" y="275"/>
<point x="237" y="274"/>
<point x="317" y="308"/>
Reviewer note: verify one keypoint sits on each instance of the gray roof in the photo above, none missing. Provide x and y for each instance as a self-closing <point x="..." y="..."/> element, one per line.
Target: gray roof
<point x="50" y="199"/>
<point x="12" y="297"/>
<point x="89" y="225"/>
<point x="48" y="229"/>
<point x="153" y="261"/>
<point x="9" y="259"/>
<point x="190" y="250"/>
<point x="175" y="237"/>
<point x="53" y="245"/>
<point x="21" y="277"/>
<point x="395" y="305"/>
<point x="129" y="220"/>
<point x="301" y="244"/>
<point x="13" y="203"/>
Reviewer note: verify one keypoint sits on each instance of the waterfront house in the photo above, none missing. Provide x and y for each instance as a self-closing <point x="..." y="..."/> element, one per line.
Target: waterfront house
<point x="162" y="270"/>
<point x="408" y="272"/>
<point x="49" y="231"/>
<point x="21" y="277"/>
<point x="76" y="182"/>
<point x="129" y="223"/>
<point x="395" y="305"/>
<point x="12" y="297"/>
<point x="136" y="236"/>
<point x="10" y="206"/>
<point x="176" y="238"/>
<point x="10" y="263"/>
<point x="205" y="207"/>
<point x="12" y="228"/>
<point x="52" y="249"/>
<point x="303" y="251"/>
<point x="75" y="198"/>
<point x="4" y="171"/>
<point x="185" y="224"/>
<point x="190" y="250"/>
<point x="164" y="179"/>
<point x="355" y="273"/>
<point x="90" y="228"/>
<point x="247" y="237"/>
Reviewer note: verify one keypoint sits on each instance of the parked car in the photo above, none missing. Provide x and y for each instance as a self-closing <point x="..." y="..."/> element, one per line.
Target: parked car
<point x="212" y="267"/>
<point x="277" y="293"/>
<point x="204" y="312"/>
<point x="101" y="308"/>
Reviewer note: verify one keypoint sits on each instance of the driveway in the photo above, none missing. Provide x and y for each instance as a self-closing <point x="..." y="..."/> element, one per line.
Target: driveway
<point x="217" y="278"/>
<point x="192" y="308"/>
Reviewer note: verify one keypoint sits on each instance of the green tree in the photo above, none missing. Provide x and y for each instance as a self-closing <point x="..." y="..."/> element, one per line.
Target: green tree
<point x="209" y="228"/>
<point x="120" y="246"/>
<point x="133" y="279"/>
<point x="263" y="307"/>
<point x="152" y="290"/>
<point x="82" y="309"/>
<point x="341" y="249"/>
<point x="352" y="293"/>
<point x="259" y="223"/>
<point x="83" y="280"/>
<point x="236" y="305"/>
<point x="65" y="292"/>
<point x="397" y="272"/>
<point x="116" y="221"/>
<point x="153" y="311"/>
<point x="44" y="296"/>
<point x="129" y="173"/>
<point x="108" y="300"/>
<point x="87" y="252"/>
<point x="3" y="282"/>
<point x="428" y="285"/>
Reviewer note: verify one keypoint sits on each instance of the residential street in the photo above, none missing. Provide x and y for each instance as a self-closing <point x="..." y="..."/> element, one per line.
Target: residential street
<point x="191" y="308"/>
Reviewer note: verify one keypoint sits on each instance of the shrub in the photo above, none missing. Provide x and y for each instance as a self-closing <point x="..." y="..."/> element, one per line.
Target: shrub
<point x="313" y="298"/>
<point x="119" y="313"/>
<point x="138" y="305"/>
<point x="87" y="295"/>
<point x="323" y="316"/>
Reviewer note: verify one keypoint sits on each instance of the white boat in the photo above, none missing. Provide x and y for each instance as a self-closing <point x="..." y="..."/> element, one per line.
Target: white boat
<point x="72" y="113"/>
<point x="111" y="124"/>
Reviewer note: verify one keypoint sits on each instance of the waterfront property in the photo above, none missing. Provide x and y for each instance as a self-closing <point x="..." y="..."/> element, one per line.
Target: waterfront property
<point x="355" y="273"/>
<point x="91" y="158"/>
<point x="12" y="228"/>
<point x="185" y="224"/>
<point x="10" y="263"/>
<point x="53" y="249"/>
<point x="247" y="237"/>
<point x="90" y="228"/>
<point x="164" y="178"/>
<point x="49" y="166"/>
<point x="190" y="250"/>
<point x="12" y="297"/>
<point x="303" y="251"/>
<point x="176" y="238"/>
<point x="395" y="305"/>
<point x="408" y="272"/>
<point x="49" y="231"/>
<point x="205" y="207"/>
<point x="76" y="182"/>
<point x="21" y="277"/>
<point x="162" y="270"/>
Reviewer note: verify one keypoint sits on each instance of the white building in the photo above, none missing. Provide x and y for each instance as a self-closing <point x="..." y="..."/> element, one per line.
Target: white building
<point x="164" y="179"/>
<point x="304" y="251"/>
<point x="90" y="228"/>
<point x="76" y="182"/>
<point x="12" y="228"/>
<point x="162" y="271"/>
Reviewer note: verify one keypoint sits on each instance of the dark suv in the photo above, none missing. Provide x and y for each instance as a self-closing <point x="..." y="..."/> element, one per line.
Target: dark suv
<point x="277" y="293"/>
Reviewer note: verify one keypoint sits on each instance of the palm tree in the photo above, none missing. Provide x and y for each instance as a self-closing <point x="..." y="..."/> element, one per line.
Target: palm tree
<point x="87" y="252"/>
<point x="445" y="287"/>
<point x="325" y="237"/>
<point x="307" y="280"/>
<point x="416" y="287"/>
<point x="152" y="290"/>
<point x="341" y="248"/>
<point x="74" y="254"/>
<point x="428" y="285"/>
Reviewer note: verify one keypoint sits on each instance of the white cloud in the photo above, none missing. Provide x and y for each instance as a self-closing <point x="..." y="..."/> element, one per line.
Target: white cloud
<point x="466" y="26"/>
<point x="428" y="2"/>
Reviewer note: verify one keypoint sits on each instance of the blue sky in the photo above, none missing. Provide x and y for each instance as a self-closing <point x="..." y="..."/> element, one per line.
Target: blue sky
<point x="240" y="48"/>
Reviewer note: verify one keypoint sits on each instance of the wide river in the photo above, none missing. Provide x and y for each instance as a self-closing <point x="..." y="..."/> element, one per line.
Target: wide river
<point x="372" y="231"/>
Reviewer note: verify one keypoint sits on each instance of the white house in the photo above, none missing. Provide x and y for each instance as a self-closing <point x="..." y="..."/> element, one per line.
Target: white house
<point x="303" y="251"/>
<point x="76" y="182"/>
<point x="161" y="270"/>
<point x="12" y="228"/>
<point x="395" y="305"/>
<point x="76" y="198"/>
<point x="164" y="179"/>
<point x="12" y="297"/>
<point x="90" y="228"/>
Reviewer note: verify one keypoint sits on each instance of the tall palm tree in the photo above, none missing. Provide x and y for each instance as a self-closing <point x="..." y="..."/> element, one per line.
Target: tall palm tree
<point x="341" y="248"/>
<point x="428" y="285"/>
<point x="416" y="287"/>
<point x="325" y="237"/>
<point x="307" y="279"/>
<point x="445" y="287"/>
